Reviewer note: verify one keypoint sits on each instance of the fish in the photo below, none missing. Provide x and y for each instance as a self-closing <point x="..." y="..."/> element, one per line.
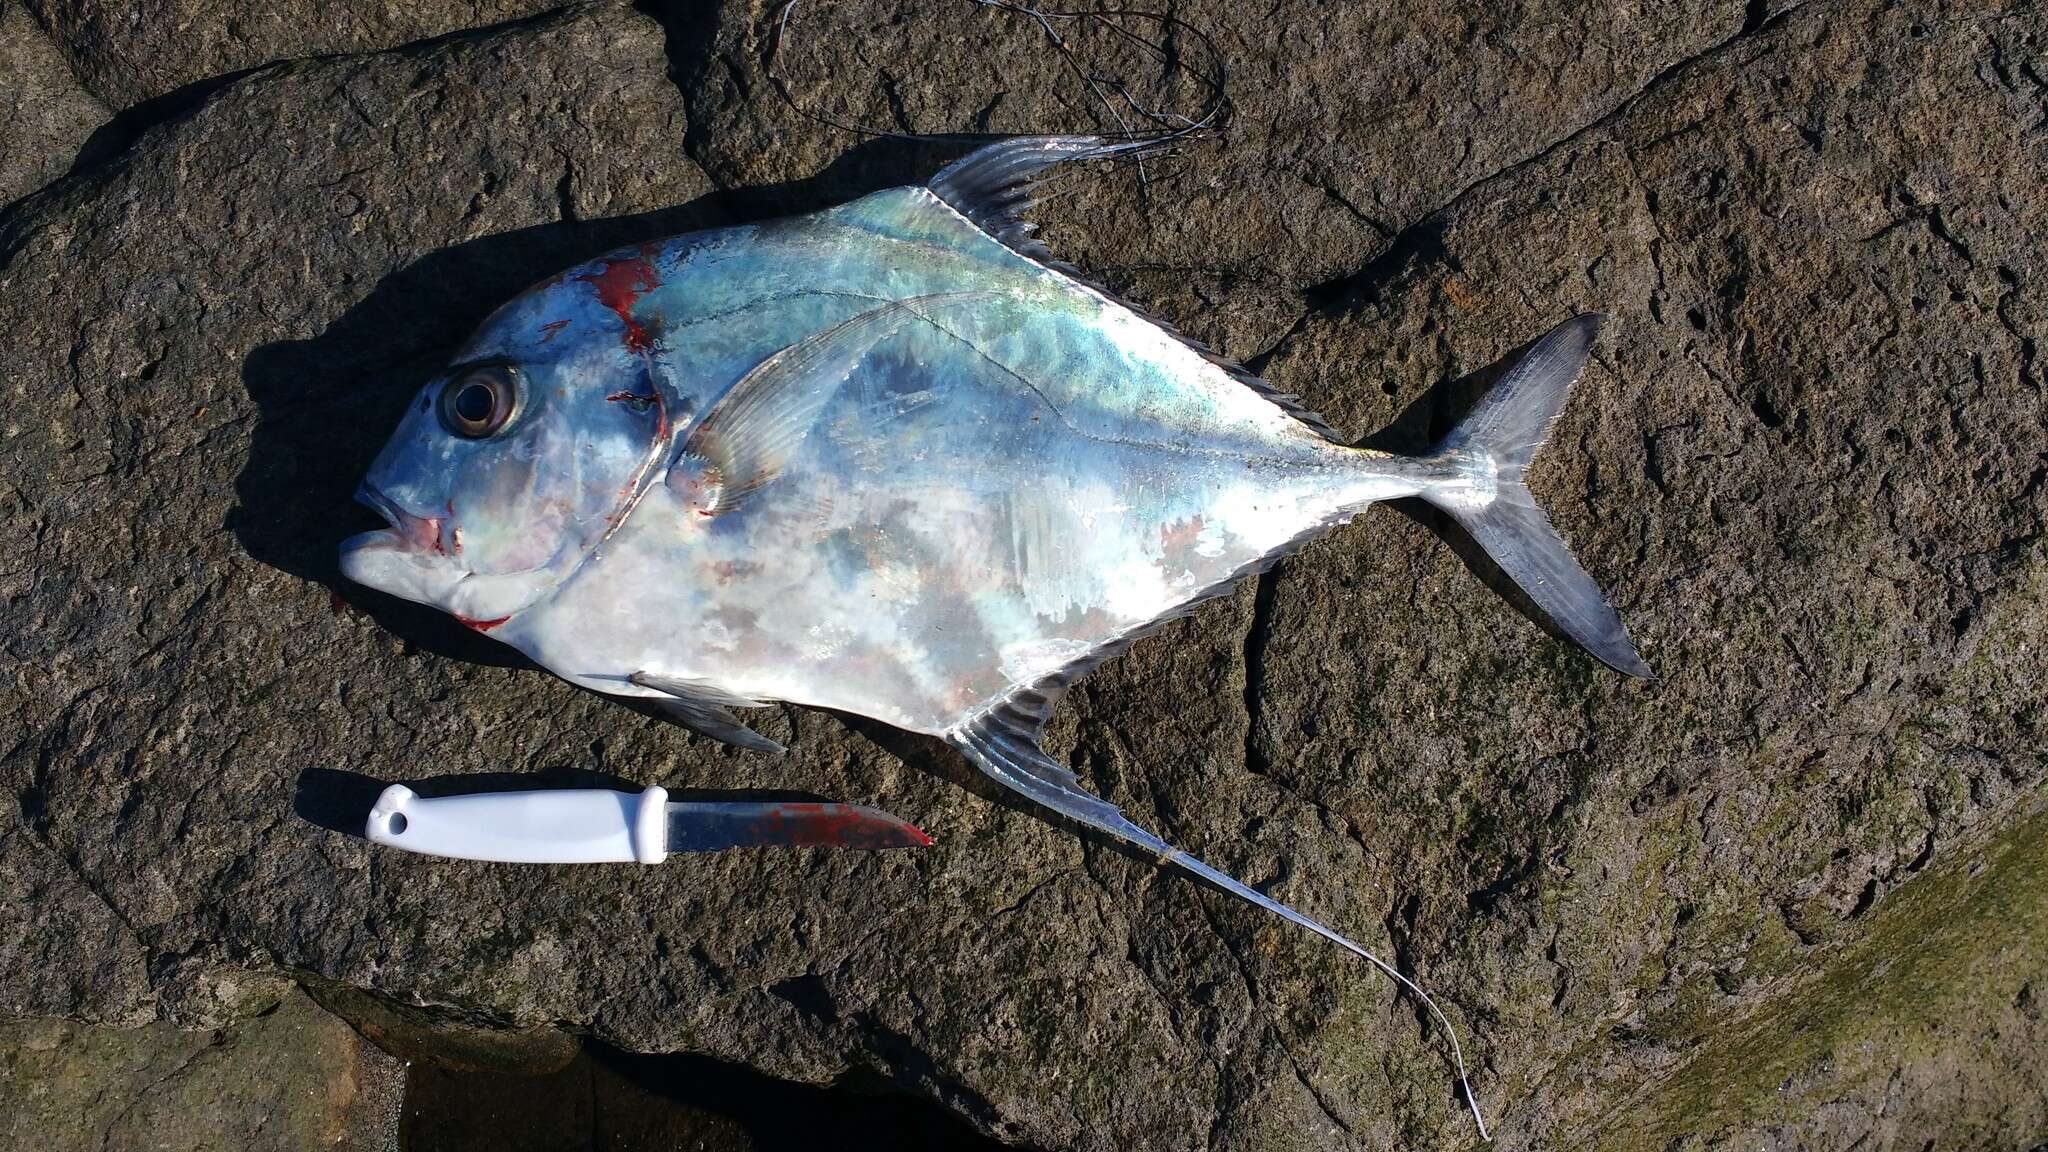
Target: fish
<point x="894" y="459"/>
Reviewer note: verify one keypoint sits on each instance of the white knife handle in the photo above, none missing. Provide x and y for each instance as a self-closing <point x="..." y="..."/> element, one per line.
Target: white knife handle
<point x="562" y="826"/>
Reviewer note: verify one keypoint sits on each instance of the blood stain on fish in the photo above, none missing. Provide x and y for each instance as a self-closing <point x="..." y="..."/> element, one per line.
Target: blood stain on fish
<point x="618" y="287"/>
<point x="1179" y="541"/>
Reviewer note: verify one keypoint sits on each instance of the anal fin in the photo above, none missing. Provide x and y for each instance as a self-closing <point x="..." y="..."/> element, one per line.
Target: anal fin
<point x="704" y="710"/>
<point x="1003" y="743"/>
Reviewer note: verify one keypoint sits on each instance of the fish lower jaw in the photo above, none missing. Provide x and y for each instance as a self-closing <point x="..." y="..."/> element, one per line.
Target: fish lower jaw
<point x="387" y="561"/>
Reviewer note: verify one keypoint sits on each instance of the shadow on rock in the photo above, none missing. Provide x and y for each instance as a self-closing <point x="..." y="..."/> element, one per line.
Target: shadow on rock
<point x="613" y="1099"/>
<point x="336" y="800"/>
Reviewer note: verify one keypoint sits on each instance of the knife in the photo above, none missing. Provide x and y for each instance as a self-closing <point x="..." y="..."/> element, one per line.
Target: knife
<point x="597" y="825"/>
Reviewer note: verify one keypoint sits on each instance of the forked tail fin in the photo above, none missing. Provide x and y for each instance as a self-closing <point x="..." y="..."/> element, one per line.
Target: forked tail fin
<point x="1482" y="463"/>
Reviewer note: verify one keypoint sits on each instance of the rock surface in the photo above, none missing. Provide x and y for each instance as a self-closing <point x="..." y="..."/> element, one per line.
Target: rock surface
<point x="1809" y="466"/>
<point x="45" y="116"/>
<point x="291" y="1079"/>
<point x="130" y="53"/>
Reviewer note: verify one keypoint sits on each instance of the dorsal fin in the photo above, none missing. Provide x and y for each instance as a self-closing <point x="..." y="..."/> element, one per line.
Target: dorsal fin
<point x="996" y="187"/>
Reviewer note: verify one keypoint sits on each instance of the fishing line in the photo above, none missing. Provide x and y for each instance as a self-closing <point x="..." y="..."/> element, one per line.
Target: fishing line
<point x="1157" y="126"/>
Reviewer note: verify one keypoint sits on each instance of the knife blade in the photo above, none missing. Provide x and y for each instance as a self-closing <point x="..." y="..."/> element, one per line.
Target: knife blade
<point x="598" y="825"/>
<point x="713" y="826"/>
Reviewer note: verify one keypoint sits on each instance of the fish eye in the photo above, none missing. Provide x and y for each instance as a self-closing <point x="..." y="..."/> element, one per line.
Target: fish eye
<point x="478" y="403"/>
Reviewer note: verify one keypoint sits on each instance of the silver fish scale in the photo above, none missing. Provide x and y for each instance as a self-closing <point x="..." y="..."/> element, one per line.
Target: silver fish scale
<point x="995" y="490"/>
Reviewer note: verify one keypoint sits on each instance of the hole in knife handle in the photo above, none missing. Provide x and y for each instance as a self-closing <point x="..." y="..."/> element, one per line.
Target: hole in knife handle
<point x="396" y="824"/>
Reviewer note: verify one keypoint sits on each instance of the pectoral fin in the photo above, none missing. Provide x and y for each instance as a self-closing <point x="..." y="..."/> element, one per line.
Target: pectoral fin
<point x="757" y="427"/>
<point x="703" y="709"/>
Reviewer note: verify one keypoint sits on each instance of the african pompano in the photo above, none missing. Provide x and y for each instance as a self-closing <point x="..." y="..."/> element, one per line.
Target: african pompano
<point x="893" y="459"/>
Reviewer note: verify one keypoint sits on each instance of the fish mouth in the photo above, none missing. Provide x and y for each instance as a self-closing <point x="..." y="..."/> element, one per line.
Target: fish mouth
<point x="407" y="532"/>
<point x="407" y="560"/>
<point x="419" y="559"/>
